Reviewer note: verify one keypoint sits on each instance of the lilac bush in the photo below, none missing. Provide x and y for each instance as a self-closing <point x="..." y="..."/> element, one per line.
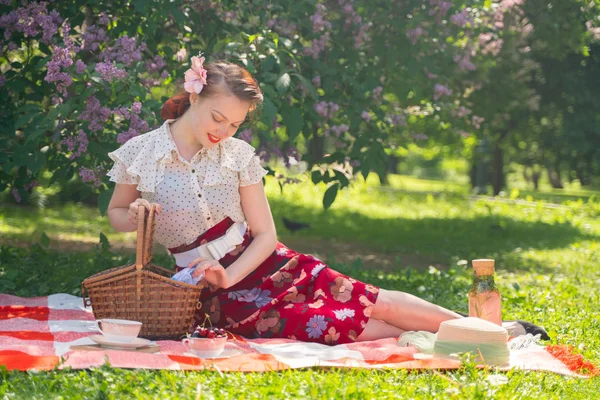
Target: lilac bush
<point x="345" y="81"/>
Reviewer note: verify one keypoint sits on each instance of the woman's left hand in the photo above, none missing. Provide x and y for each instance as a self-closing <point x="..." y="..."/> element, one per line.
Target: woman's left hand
<point x="213" y="271"/>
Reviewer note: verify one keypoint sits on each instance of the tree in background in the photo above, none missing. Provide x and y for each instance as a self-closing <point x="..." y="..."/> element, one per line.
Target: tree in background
<point x="346" y="82"/>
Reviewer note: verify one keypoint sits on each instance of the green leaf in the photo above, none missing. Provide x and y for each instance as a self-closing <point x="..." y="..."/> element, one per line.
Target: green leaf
<point x="283" y="83"/>
<point x="104" y="243"/>
<point x="308" y="84"/>
<point x="342" y="178"/>
<point x="269" y="63"/>
<point x="294" y="122"/>
<point x="269" y="112"/>
<point x="36" y="162"/>
<point x="330" y="195"/>
<point x="45" y="240"/>
<point x="269" y="77"/>
<point x="140" y="6"/>
<point x="179" y="16"/>
<point x="316" y="176"/>
<point x="103" y="200"/>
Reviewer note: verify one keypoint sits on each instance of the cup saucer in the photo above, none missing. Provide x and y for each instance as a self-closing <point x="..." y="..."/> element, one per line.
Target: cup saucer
<point x="110" y="344"/>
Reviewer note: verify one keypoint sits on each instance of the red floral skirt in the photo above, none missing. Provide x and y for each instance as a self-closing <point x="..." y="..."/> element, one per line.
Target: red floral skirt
<point x="290" y="295"/>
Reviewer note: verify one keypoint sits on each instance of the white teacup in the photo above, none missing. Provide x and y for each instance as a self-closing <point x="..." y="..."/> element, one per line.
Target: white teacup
<point x="119" y="330"/>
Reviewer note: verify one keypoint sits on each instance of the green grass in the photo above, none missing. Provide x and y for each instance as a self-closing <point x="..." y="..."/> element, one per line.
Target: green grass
<point x="547" y="272"/>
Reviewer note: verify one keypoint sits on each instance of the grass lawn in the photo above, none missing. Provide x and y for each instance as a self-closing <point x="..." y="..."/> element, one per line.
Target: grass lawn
<point x="413" y="236"/>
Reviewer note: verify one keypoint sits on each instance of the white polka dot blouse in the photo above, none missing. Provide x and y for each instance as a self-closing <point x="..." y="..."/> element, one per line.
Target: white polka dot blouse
<point x="194" y="195"/>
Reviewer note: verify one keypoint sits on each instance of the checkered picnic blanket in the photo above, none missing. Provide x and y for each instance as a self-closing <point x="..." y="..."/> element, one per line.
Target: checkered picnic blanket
<point x="37" y="334"/>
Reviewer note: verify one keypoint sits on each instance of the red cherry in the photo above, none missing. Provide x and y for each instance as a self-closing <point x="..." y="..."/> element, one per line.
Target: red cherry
<point x="211" y="334"/>
<point x="203" y="331"/>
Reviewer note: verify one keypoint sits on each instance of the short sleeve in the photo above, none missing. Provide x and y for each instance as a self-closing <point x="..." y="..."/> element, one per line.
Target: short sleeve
<point x="252" y="173"/>
<point x="123" y="157"/>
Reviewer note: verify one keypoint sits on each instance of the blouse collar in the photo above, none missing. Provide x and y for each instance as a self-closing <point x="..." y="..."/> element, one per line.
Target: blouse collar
<point x="165" y="146"/>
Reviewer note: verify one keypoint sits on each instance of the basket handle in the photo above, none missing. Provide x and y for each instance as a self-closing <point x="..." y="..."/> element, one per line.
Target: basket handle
<point x="141" y="230"/>
<point x="145" y="236"/>
<point x="86" y="300"/>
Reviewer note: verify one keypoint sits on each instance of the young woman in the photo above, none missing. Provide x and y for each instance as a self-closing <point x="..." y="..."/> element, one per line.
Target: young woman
<point x="207" y="187"/>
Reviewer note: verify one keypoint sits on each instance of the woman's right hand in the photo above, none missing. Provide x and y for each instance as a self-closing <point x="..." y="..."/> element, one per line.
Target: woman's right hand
<point x="132" y="213"/>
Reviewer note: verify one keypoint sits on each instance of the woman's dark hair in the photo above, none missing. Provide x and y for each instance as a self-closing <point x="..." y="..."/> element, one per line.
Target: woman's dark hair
<point x="221" y="77"/>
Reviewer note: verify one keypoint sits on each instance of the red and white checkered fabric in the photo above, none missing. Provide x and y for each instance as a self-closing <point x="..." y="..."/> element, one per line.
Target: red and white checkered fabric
<point x="36" y="334"/>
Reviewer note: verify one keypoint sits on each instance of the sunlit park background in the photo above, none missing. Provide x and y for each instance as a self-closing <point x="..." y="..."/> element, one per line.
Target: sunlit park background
<point x="410" y="136"/>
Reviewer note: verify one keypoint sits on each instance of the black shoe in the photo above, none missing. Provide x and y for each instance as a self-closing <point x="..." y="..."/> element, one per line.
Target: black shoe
<point x="527" y="326"/>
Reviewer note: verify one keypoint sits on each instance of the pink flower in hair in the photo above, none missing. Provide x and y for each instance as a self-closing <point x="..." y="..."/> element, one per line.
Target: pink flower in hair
<point x="195" y="77"/>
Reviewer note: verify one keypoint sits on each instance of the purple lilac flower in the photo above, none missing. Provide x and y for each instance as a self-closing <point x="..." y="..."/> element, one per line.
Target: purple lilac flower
<point x="16" y="195"/>
<point x="88" y="175"/>
<point x="366" y="116"/>
<point x="439" y="8"/>
<point x="429" y="74"/>
<point x="80" y="141"/>
<point x="318" y="19"/>
<point x="31" y="185"/>
<point x="363" y="36"/>
<point x="95" y="114"/>
<point x="282" y="26"/>
<point x="124" y="51"/>
<point x="93" y="37"/>
<point x="109" y="71"/>
<point x="136" y="125"/>
<point x="60" y="59"/>
<point x="156" y="64"/>
<point x="477" y="121"/>
<point x="79" y="67"/>
<point x="461" y="19"/>
<point x="464" y="62"/>
<point x="31" y="20"/>
<point x="103" y="20"/>
<point x="246" y="135"/>
<point x="318" y="46"/>
<point x="339" y="129"/>
<point x="317" y="81"/>
<point x="462" y="112"/>
<point x="136" y="107"/>
<point x="398" y="120"/>
<point x="326" y="109"/>
<point x="440" y="90"/>
<point x="415" y="34"/>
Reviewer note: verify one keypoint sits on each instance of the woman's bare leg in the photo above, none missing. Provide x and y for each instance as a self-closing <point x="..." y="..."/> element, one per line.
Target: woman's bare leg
<point x="377" y="329"/>
<point x="409" y="312"/>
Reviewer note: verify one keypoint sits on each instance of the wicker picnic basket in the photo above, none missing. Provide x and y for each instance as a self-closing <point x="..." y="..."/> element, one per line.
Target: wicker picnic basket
<point x="143" y="291"/>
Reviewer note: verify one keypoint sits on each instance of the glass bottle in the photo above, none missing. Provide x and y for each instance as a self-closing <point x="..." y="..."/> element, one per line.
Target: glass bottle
<point x="484" y="298"/>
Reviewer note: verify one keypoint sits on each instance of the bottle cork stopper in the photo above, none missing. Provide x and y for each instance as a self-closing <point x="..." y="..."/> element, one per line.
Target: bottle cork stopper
<point x="483" y="266"/>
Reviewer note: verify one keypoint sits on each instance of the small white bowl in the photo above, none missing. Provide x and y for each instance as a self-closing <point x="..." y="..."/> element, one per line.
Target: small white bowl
<point x="205" y="347"/>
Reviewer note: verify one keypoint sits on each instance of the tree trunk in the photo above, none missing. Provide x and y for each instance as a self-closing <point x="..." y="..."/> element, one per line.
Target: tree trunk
<point x="536" y="174"/>
<point x="498" y="170"/>
<point x="582" y="176"/>
<point x="316" y="147"/>
<point x="554" y="177"/>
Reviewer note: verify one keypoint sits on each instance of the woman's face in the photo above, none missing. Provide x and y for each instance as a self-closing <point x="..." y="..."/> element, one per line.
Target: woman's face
<point x="216" y="118"/>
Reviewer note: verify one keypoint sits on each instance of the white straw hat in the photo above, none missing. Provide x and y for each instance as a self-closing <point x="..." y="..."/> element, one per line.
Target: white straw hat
<point x="486" y="340"/>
